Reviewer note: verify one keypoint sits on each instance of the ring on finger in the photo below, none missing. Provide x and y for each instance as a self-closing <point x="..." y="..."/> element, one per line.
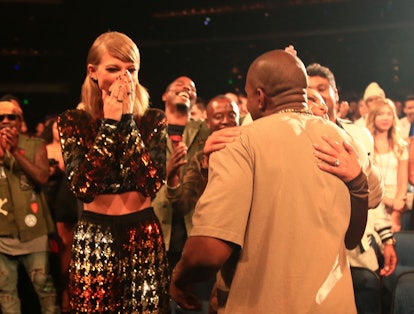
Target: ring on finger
<point x="336" y="162"/>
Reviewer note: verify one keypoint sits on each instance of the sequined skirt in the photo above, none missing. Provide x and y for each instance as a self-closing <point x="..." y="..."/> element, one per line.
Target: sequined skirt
<point x="119" y="264"/>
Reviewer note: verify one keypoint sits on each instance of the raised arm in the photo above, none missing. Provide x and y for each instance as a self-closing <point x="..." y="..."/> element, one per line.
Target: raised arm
<point x="38" y="168"/>
<point x="85" y="154"/>
<point x="185" y="193"/>
<point x="89" y="146"/>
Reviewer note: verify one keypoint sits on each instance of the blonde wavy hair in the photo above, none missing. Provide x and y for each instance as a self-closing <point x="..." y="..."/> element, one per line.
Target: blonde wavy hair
<point x="119" y="46"/>
<point x="396" y="141"/>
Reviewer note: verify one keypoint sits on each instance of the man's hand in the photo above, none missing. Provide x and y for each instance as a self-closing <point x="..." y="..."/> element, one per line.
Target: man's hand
<point x="291" y="49"/>
<point x="390" y="260"/>
<point x="9" y="139"/>
<point x="220" y="138"/>
<point x="174" y="164"/>
<point x="2" y="152"/>
<point x="201" y="259"/>
<point x="183" y="295"/>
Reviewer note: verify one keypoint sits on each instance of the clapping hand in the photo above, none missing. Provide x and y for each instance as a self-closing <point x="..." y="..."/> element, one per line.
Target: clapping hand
<point x="9" y="139"/>
<point x="177" y="159"/>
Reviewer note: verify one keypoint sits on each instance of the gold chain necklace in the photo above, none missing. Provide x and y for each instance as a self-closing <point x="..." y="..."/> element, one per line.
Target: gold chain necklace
<point x="295" y="111"/>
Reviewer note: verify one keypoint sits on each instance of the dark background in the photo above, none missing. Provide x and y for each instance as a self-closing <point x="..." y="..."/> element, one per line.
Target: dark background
<point x="43" y="44"/>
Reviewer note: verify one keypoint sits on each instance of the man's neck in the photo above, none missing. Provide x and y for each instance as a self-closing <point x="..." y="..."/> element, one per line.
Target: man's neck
<point x="178" y="117"/>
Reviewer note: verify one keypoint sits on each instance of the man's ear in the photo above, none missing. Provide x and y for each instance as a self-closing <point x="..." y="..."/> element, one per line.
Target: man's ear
<point x="261" y="99"/>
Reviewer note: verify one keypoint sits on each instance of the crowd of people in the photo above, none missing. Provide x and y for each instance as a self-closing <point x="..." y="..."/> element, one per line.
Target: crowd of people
<point x="193" y="209"/>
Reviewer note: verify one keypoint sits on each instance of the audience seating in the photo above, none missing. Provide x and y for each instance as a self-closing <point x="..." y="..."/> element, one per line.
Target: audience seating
<point x="405" y="253"/>
<point x="407" y="221"/>
<point x="403" y="294"/>
<point x="367" y="289"/>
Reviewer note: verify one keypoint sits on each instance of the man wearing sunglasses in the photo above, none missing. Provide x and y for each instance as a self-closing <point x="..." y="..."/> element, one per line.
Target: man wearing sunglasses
<point x="25" y="221"/>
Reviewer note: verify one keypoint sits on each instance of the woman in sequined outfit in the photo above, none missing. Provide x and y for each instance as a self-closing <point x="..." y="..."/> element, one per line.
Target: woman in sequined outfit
<point x="114" y="153"/>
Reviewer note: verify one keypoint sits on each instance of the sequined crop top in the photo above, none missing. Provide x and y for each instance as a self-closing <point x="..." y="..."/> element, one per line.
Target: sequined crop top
<point x="112" y="157"/>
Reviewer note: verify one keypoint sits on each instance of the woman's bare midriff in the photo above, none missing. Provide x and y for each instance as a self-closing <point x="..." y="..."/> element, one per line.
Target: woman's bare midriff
<point x="118" y="204"/>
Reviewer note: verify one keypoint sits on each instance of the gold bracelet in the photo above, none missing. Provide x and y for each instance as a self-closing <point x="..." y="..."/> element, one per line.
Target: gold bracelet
<point x="173" y="187"/>
<point x="390" y="241"/>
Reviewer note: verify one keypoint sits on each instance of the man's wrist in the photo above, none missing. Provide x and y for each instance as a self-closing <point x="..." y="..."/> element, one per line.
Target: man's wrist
<point x="398" y="204"/>
<point x="390" y="241"/>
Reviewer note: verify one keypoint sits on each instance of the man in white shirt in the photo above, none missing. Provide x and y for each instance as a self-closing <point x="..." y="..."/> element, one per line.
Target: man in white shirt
<point x="322" y="79"/>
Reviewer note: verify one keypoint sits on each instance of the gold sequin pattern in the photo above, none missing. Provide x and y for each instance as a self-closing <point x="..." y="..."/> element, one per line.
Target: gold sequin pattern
<point x="109" y="157"/>
<point x="119" y="265"/>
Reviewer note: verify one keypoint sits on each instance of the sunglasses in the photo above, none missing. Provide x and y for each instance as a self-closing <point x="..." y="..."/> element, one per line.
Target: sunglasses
<point x="10" y="117"/>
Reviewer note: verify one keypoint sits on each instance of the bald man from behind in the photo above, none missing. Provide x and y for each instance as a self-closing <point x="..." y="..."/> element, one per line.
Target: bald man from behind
<point x="270" y="221"/>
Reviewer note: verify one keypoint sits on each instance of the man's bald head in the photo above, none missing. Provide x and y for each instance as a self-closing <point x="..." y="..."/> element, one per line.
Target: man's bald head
<point x="276" y="80"/>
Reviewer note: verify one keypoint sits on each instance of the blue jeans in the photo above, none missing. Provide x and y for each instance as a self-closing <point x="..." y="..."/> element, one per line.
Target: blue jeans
<point x="37" y="267"/>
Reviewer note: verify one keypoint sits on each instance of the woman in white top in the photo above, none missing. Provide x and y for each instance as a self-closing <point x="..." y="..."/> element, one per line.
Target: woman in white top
<point x="391" y="156"/>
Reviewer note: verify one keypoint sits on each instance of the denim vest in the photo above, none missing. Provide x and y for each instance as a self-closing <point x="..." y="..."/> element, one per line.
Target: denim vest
<point x="24" y="213"/>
